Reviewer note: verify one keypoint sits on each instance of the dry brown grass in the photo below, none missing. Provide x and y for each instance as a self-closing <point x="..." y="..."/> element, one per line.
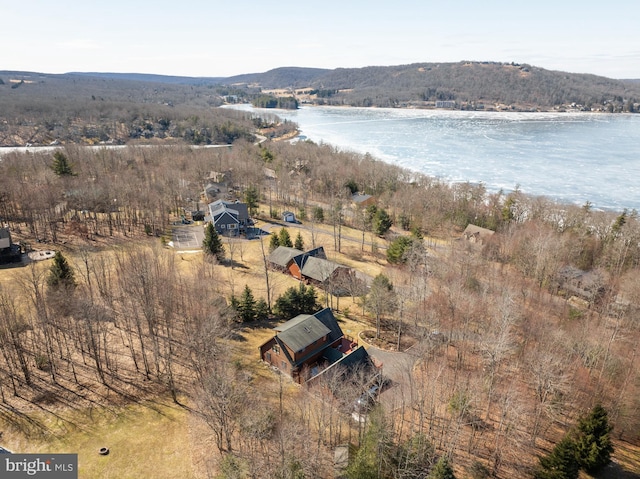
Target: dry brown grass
<point x="137" y="434"/>
<point x="149" y="439"/>
<point x="155" y="434"/>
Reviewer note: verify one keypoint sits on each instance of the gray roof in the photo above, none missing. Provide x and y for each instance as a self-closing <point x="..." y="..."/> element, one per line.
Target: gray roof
<point x="282" y="255"/>
<point x="304" y="332"/>
<point x="219" y="218"/>
<point x="472" y="230"/>
<point x="329" y="320"/>
<point x="319" y="269"/>
<point x="324" y="317"/>
<point x="301" y="259"/>
<point x="360" y="197"/>
<point x="240" y="210"/>
<point x="292" y="322"/>
<point x="358" y="357"/>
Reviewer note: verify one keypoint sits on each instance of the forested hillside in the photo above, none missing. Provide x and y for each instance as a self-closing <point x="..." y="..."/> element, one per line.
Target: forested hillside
<point x="468" y="84"/>
<point x="39" y="109"/>
<point x="463" y="85"/>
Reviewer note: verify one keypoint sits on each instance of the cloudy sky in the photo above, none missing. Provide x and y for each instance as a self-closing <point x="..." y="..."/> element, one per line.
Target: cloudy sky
<point x="223" y="38"/>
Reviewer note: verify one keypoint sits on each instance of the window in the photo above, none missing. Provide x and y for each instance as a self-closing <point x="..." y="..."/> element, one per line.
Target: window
<point x="232" y="226"/>
<point x="284" y="365"/>
<point x="268" y="356"/>
<point x="222" y="226"/>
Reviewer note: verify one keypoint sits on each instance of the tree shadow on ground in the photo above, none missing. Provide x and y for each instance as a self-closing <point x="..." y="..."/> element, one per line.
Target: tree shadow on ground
<point x="615" y="471"/>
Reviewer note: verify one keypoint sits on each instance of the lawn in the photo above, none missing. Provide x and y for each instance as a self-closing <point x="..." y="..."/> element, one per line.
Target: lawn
<point x="144" y="440"/>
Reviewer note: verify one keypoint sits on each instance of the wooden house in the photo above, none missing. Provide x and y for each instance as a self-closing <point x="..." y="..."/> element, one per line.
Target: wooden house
<point x="314" y="268"/>
<point x="281" y="257"/>
<point x="362" y="200"/>
<point x="292" y="260"/>
<point x="477" y="234"/>
<point x="298" y="262"/>
<point x="327" y="275"/>
<point x="308" y="344"/>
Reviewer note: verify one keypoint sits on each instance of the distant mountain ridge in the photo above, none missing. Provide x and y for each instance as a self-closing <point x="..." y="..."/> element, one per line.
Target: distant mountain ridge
<point x="461" y="85"/>
<point x="468" y="84"/>
<point x="152" y="78"/>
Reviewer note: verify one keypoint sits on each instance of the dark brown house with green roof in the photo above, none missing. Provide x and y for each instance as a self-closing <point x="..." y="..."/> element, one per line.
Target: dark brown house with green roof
<point x="306" y="345"/>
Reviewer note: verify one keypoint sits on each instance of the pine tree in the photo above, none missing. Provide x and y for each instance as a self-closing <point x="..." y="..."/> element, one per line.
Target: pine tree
<point x="251" y="199"/>
<point x="561" y="463"/>
<point x="212" y="244"/>
<point x="442" y="470"/>
<point x="318" y="214"/>
<point x="373" y="456"/>
<point x="299" y="244"/>
<point x="284" y="239"/>
<point x="60" y="273"/>
<point x="295" y="301"/>
<point x="247" y="305"/>
<point x="593" y="444"/>
<point x="396" y="250"/>
<point x="61" y="166"/>
<point x="262" y="309"/>
<point x="274" y="242"/>
<point x="381" y="222"/>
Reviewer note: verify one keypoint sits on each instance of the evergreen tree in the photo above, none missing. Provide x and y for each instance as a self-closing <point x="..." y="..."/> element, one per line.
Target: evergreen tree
<point x="352" y="186"/>
<point x="299" y="244"/>
<point x="318" y="214"/>
<point x="295" y="301"/>
<point x="247" y="305"/>
<point x="442" y="470"/>
<point x="372" y="458"/>
<point x="284" y="239"/>
<point x="262" y="309"/>
<point x="378" y="218"/>
<point x="396" y="250"/>
<point x="381" y="222"/>
<point x="251" y="199"/>
<point x="60" y="274"/>
<point x="308" y="299"/>
<point x="274" y="242"/>
<point x="212" y="244"/>
<point x="234" y="302"/>
<point x="61" y="166"/>
<point x="267" y="155"/>
<point x="561" y="463"/>
<point x="593" y="444"/>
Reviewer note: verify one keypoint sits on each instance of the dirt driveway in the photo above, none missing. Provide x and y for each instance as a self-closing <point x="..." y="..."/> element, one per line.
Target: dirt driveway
<point x="398" y="367"/>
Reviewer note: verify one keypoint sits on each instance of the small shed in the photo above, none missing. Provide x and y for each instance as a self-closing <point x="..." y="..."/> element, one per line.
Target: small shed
<point x="289" y="217"/>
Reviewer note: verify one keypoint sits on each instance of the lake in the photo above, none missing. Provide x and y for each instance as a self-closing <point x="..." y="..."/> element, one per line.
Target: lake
<point x="570" y="157"/>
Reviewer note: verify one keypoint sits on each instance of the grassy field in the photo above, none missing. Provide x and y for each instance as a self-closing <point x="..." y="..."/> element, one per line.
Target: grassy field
<point x="144" y="440"/>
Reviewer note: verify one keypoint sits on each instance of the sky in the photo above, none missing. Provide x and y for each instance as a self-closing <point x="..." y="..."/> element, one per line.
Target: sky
<point x="216" y="38"/>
